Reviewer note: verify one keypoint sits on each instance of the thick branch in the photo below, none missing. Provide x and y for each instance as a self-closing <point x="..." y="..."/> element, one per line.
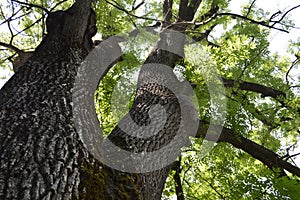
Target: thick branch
<point x="187" y="9"/>
<point x="167" y="10"/>
<point x="178" y="184"/>
<point x="12" y="47"/>
<point x="266" y="156"/>
<point x="254" y="87"/>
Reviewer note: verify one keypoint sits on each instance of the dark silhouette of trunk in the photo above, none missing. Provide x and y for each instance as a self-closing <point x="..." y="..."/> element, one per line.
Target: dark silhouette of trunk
<point x="41" y="154"/>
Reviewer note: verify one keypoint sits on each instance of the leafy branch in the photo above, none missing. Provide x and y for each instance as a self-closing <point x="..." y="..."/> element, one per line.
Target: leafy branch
<point x="254" y="87"/>
<point x="272" y="160"/>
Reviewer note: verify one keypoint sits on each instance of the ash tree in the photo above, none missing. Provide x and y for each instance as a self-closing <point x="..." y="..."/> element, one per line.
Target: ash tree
<point x="47" y="152"/>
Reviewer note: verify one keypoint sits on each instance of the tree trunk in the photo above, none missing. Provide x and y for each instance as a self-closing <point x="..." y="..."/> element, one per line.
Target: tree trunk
<point x="41" y="154"/>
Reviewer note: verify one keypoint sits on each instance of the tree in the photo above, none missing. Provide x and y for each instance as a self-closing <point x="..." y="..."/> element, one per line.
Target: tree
<point x="42" y="152"/>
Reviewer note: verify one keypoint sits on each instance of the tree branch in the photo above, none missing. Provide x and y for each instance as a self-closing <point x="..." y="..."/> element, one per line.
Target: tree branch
<point x="167" y="11"/>
<point x="26" y="28"/>
<point x="283" y="16"/>
<point x="31" y="5"/>
<point x="178" y="185"/>
<point x="250" y="107"/>
<point x="272" y="160"/>
<point x="262" y="23"/>
<point x="294" y="63"/>
<point x="11" y="18"/>
<point x="210" y="183"/>
<point x="57" y="4"/>
<point x="254" y="87"/>
<point x="187" y="9"/>
<point x="250" y="7"/>
<point x="211" y="14"/>
<point x="12" y="47"/>
<point x="119" y="7"/>
<point x="194" y="5"/>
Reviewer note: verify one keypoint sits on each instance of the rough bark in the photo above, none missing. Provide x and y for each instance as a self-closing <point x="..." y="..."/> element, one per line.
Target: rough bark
<point x="41" y="156"/>
<point x="150" y="185"/>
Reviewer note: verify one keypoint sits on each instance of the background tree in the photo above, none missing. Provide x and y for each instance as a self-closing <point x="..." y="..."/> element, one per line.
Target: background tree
<point x="42" y="156"/>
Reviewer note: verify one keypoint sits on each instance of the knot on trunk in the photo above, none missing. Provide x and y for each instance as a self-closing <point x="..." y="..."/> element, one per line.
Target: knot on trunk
<point x="21" y="59"/>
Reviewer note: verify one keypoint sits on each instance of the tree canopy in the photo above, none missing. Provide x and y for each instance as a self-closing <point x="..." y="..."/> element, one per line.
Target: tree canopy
<point x="256" y="155"/>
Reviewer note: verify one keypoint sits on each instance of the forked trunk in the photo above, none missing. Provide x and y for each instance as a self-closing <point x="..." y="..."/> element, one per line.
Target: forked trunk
<point x="41" y="154"/>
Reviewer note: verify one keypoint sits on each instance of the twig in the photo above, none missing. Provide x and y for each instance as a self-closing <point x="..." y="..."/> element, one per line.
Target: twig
<point x="11" y="17"/>
<point x="37" y="21"/>
<point x="31" y="5"/>
<point x="9" y="27"/>
<point x="294" y="63"/>
<point x="56" y="5"/>
<point x="250" y="7"/>
<point x="129" y="13"/>
<point x="137" y="6"/>
<point x="192" y="23"/>
<point x="283" y="16"/>
<point x="262" y="23"/>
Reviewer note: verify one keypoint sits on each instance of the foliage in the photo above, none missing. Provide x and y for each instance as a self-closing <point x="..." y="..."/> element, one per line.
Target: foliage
<point x="239" y="52"/>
